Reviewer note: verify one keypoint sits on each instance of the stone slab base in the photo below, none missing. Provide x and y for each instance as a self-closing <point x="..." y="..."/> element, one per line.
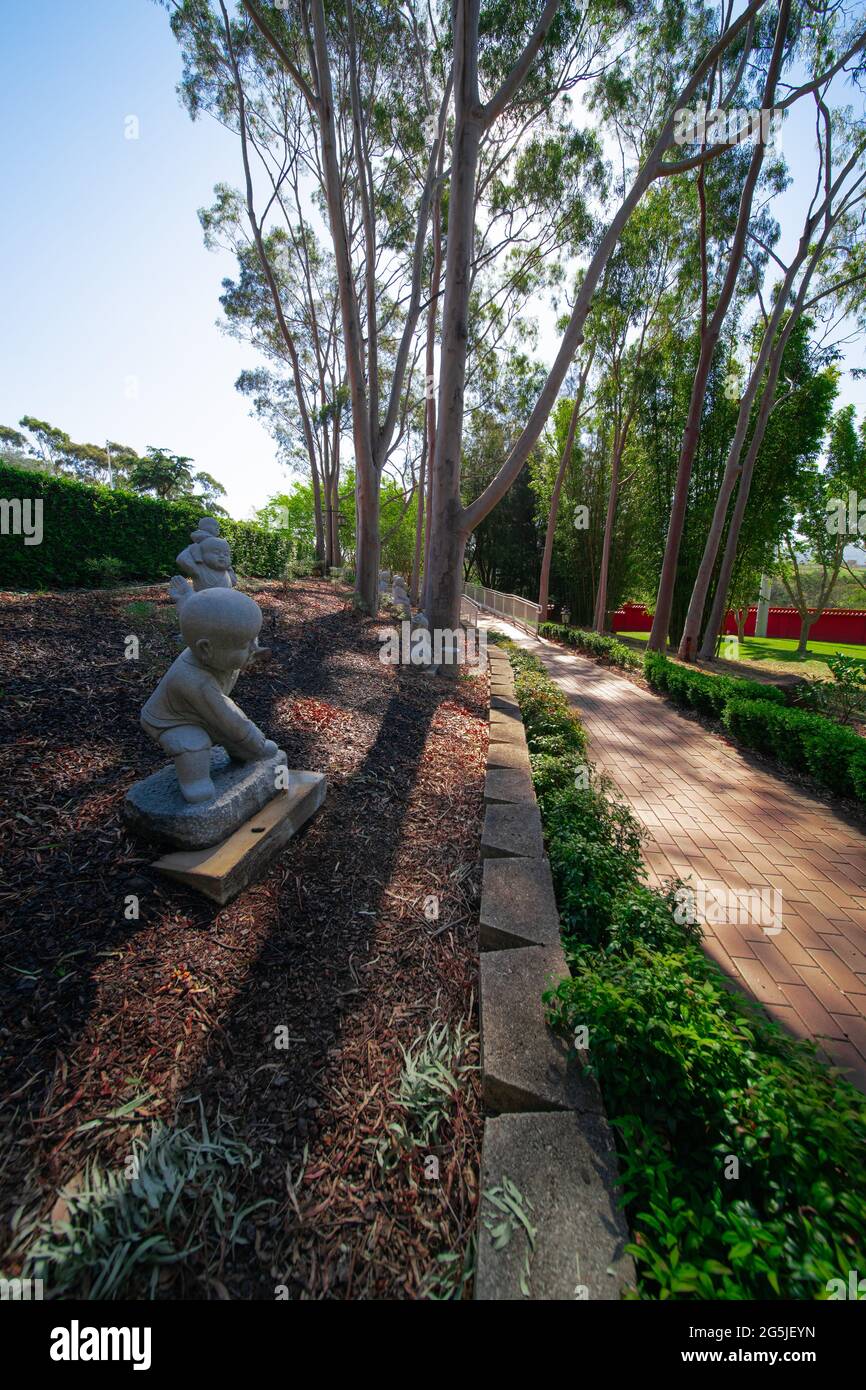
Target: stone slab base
<point x="564" y="1168"/>
<point x="156" y="806"/>
<point x="222" y="871"/>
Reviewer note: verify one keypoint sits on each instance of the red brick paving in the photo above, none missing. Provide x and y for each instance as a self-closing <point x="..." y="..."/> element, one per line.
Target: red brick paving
<point x="711" y="816"/>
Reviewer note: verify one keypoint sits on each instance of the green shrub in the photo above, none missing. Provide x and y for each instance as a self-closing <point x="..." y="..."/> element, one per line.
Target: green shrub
<point x="84" y="526"/>
<point x="596" y="644"/>
<point x="703" y="692"/>
<point x="843" y="696"/>
<point x="104" y="571"/>
<point x="808" y="742"/>
<point x="692" y="1073"/>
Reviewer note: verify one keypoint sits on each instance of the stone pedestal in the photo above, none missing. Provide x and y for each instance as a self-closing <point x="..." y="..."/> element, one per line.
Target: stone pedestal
<point x="224" y="870"/>
<point x="156" y="806"/>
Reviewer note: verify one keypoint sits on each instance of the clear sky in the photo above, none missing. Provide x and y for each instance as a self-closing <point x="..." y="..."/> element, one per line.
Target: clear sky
<point x="109" y="299"/>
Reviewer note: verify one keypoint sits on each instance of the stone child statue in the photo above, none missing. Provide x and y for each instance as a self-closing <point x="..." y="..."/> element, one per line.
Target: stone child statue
<point x="208" y="563"/>
<point x="208" y="560"/>
<point x="190" y="709"/>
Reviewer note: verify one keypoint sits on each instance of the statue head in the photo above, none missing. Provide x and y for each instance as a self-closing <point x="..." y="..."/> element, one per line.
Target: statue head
<point x="220" y="627"/>
<point x="215" y="552"/>
<point x="208" y="526"/>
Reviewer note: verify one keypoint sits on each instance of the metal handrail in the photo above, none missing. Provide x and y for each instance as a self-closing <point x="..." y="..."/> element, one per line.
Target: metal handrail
<point x="512" y="606"/>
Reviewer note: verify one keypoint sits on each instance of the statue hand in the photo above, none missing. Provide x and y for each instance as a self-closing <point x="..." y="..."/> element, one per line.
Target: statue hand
<point x="179" y="589"/>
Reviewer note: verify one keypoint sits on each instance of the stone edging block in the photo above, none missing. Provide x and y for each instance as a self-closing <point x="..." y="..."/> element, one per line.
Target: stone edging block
<point x="564" y="1168"/>
<point x="518" y="904"/>
<point x="549" y="1139"/>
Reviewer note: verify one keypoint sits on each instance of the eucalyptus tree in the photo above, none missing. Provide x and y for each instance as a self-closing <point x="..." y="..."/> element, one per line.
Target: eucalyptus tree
<point x="490" y="83"/>
<point x="829" y="237"/>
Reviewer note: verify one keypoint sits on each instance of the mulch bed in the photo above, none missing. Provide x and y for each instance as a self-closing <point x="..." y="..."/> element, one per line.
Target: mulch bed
<point x="333" y="946"/>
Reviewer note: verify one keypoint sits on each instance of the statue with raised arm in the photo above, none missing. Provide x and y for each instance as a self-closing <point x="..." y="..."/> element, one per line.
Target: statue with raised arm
<point x="207" y="561"/>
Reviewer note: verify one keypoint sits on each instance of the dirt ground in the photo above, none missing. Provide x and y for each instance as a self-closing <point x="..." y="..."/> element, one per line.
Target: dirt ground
<point x="339" y="946"/>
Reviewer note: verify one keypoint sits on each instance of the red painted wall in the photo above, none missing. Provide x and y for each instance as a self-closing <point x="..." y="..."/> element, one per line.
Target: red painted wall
<point x="834" y="624"/>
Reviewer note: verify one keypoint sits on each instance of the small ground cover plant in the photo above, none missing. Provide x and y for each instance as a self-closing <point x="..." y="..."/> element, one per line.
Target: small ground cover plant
<point x="740" y="1151"/>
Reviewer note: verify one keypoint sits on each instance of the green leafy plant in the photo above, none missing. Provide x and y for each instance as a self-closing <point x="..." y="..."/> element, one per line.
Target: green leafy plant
<point x="694" y="1076"/>
<point x="120" y="1233"/>
<point x="845" y="695"/>
<point x="84" y="525"/>
<point x="595" y="644"/>
<point x="429" y="1079"/>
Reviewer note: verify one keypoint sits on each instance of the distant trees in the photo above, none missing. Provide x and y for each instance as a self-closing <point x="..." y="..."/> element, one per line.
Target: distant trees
<point x="159" y="473"/>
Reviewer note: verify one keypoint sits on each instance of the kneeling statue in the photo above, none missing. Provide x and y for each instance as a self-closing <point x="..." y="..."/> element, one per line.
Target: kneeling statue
<point x="190" y="711"/>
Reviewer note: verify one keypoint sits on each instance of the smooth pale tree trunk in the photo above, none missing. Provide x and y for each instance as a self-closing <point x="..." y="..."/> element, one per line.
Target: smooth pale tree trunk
<point x="601" y="596"/>
<point x="425" y="502"/>
<point x="273" y="288"/>
<point x="428" y="511"/>
<point x="709" y="340"/>
<point x="553" y="511"/>
<point x="419" y="525"/>
<point x="771" y="352"/>
<point x="448" y="531"/>
<point x="717" y="612"/>
<point x="366" y="469"/>
<point x="317" y="514"/>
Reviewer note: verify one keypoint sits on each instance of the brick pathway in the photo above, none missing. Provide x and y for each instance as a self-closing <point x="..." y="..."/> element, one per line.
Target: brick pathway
<point x="713" y="817"/>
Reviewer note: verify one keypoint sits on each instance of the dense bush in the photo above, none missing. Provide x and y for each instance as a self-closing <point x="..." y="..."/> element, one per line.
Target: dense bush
<point x="92" y="534"/>
<point x="596" y="644"/>
<point x="696" y="689"/>
<point x="808" y="742"/>
<point x="693" y="1075"/>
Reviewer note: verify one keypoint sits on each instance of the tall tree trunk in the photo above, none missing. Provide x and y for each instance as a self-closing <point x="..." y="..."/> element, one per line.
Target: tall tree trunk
<point x="709" y="339"/>
<point x="807" y="622"/>
<point x="448" y="532"/>
<point x="425" y="503"/>
<point x="317" y="514"/>
<point x="553" y="511"/>
<point x="450" y="522"/>
<point x="419" y="525"/>
<point x="771" y="352"/>
<point x="600" y="616"/>
<point x="777" y="352"/>
<point x="366" y="467"/>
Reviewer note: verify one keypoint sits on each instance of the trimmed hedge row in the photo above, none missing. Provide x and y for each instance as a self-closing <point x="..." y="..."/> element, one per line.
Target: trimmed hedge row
<point x="833" y="754"/>
<point x="697" y="690"/>
<point x="89" y="529"/>
<point x="758" y="716"/>
<point x="596" y="644"/>
<point x="693" y="1075"/>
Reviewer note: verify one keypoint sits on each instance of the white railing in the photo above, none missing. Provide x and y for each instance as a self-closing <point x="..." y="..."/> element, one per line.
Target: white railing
<point x="519" y="610"/>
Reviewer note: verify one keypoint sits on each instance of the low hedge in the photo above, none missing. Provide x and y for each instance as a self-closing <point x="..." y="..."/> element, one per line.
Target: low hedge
<point x="694" y="1075"/>
<point x="832" y="753"/>
<point x="596" y="644"/>
<point x="758" y="716"/>
<point x="94" y="534"/>
<point x="697" y="690"/>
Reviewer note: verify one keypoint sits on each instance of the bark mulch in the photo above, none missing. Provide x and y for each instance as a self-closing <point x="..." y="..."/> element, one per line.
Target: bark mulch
<point x="339" y="946"/>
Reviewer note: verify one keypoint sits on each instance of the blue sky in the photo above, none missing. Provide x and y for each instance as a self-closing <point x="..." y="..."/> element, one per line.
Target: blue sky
<point x="107" y="289"/>
<point x="109" y="298"/>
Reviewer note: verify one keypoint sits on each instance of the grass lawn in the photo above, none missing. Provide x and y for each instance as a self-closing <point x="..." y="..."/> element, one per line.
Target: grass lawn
<point x="777" y="653"/>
